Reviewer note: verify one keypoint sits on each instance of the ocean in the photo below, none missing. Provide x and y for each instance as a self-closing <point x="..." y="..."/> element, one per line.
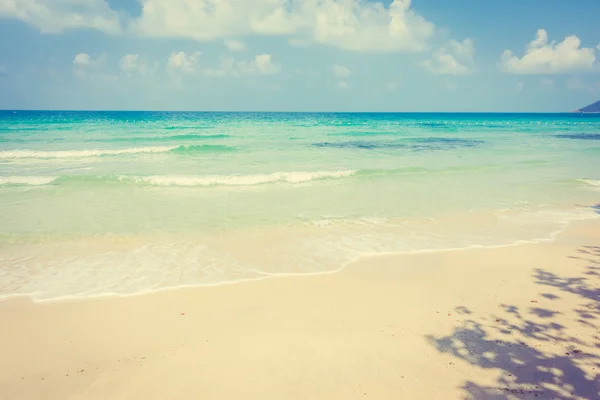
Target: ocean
<point x="122" y="203"/>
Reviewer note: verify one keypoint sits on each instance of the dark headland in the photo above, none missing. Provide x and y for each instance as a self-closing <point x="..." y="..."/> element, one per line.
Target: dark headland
<point x="592" y="108"/>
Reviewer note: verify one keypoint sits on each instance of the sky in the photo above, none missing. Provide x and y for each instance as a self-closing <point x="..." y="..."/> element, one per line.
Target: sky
<point x="300" y="55"/>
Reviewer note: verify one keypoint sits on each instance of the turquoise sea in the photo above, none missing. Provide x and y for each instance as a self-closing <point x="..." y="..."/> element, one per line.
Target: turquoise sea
<point x="121" y="203"/>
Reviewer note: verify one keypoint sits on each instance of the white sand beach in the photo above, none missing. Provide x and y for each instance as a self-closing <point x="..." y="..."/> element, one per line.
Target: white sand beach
<point x="515" y="322"/>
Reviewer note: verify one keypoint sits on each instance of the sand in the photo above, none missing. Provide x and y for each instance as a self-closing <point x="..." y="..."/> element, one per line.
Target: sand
<point x="512" y="322"/>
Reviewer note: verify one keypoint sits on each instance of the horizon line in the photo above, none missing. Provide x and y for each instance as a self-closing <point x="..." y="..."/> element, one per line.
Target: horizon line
<point x="300" y="112"/>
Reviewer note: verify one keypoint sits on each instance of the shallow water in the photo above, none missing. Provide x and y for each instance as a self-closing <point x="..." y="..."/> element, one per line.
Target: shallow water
<point x="95" y="203"/>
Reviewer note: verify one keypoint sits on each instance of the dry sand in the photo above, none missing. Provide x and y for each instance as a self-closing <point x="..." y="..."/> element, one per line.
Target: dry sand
<point x="514" y="322"/>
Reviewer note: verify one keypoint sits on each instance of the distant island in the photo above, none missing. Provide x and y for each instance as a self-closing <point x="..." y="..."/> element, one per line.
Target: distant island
<point x="592" y="108"/>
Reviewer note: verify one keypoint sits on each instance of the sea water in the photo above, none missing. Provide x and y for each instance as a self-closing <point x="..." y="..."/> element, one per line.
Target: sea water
<point x="121" y="203"/>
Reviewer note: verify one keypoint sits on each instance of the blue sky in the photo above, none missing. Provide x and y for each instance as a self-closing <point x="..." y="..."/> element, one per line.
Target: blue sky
<point x="300" y="55"/>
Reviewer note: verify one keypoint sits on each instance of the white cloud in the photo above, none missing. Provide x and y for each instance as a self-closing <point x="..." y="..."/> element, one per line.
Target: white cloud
<point x="182" y="61"/>
<point x="341" y="71"/>
<point x="354" y="25"/>
<point x="82" y="59"/>
<point x="544" y="58"/>
<point x="133" y="63"/>
<point x="129" y="62"/>
<point x="262" y="64"/>
<point x="235" y="45"/>
<point x="55" y="16"/>
<point x="343" y="85"/>
<point x="84" y="66"/>
<point x="454" y="59"/>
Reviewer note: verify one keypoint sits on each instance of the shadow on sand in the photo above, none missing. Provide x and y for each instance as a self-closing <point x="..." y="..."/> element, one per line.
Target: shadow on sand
<point x="514" y="342"/>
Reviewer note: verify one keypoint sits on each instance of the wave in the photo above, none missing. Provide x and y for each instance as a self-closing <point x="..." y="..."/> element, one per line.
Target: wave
<point x="210" y="180"/>
<point x="238" y="180"/>
<point x="202" y="148"/>
<point x="27" y="180"/>
<point x="179" y="180"/>
<point x="245" y="180"/>
<point x="591" y="182"/>
<point x="38" y="271"/>
<point x="116" y="139"/>
<point x="182" y="149"/>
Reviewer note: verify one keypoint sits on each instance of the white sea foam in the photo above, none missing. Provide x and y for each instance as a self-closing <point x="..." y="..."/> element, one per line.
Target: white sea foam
<point x="95" y="267"/>
<point x="12" y="154"/>
<point x="590" y="182"/>
<point x="27" y="180"/>
<point x="237" y="180"/>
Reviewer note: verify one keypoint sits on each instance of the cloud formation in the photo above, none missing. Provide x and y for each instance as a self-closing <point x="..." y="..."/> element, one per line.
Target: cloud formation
<point x="262" y="64"/>
<point x="82" y="60"/>
<point x="133" y="63"/>
<point x="129" y="62"/>
<point x="86" y="67"/>
<point x="353" y="25"/>
<point x="550" y="58"/>
<point x="183" y="62"/>
<point x="55" y="16"/>
<point x="454" y="59"/>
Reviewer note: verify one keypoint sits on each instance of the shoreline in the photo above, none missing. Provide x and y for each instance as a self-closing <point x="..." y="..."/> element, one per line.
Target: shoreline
<point x="552" y="237"/>
<point x="517" y="320"/>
